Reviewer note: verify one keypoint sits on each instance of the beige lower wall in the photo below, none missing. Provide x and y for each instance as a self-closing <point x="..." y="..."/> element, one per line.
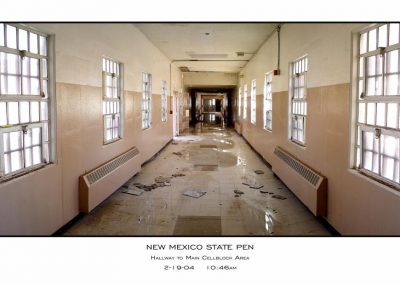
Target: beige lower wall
<point x="356" y="204"/>
<point x="44" y="200"/>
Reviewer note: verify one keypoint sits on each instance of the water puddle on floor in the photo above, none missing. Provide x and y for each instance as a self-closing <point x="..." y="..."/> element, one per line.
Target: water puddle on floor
<point x="212" y="160"/>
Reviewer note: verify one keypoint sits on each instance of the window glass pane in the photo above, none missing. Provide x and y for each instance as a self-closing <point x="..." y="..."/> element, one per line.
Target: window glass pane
<point x="15" y="140"/>
<point x="371" y="113"/>
<point x="36" y="155"/>
<point x="12" y="64"/>
<point x="24" y="111"/>
<point x="393" y="34"/>
<point x="44" y="68"/>
<point x="361" y="112"/>
<point x="13" y="112"/>
<point x="3" y="114"/>
<point x="33" y="41"/>
<point x="28" y="157"/>
<point x="35" y="87"/>
<point x="16" y="161"/>
<point x="382" y="36"/>
<point x="43" y="111"/>
<point x="381" y="114"/>
<point x="6" y="143"/>
<point x="392" y="115"/>
<point x="372" y="40"/>
<point x="363" y="43"/>
<point x="1" y="34"/>
<point x="11" y="36"/>
<point x="392" y="84"/>
<point x="34" y="111"/>
<point x="34" y="67"/>
<point x="23" y="39"/>
<point x="35" y="136"/>
<point x="393" y="61"/>
<point x="43" y="47"/>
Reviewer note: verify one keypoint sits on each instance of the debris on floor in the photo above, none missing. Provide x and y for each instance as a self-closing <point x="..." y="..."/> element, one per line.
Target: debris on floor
<point x="238" y="191"/>
<point x="133" y="191"/>
<point x="195" y="193"/>
<point x="237" y="195"/>
<point x="253" y="185"/>
<point x="259" y="172"/>
<point x="256" y="186"/>
<point x="264" y="191"/>
<point x="174" y="143"/>
<point x="162" y="179"/>
<point x="280" y="197"/>
<point x="178" y="175"/>
<point x="177" y="153"/>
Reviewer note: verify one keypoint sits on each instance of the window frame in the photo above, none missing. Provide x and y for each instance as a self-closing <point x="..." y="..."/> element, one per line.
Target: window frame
<point x="267" y="100"/>
<point x="240" y="102"/>
<point x="245" y="101"/>
<point x="301" y="103"/>
<point x="118" y="99"/>
<point x="45" y="100"/>
<point x="362" y="97"/>
<point x="146" y="97"/>
<point x="164" y="101"/>
<point x="253" y="102"/>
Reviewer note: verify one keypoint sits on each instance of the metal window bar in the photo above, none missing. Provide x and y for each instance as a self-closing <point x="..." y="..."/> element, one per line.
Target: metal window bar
<point x="268" y="101"/>
<point x="245" y="102"/>
<point x="24" y="109"/>
<point x="378" y="113"/>
<point x="146" y="101"/>
<point x="298" y="100"/>
<point x="111" y="100"/>
<point x="253" y="102"/>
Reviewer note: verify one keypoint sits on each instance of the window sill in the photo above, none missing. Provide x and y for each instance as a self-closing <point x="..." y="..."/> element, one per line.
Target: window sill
<point x="388" y="186"/>
<point x="298" y="143"/>
<point x="111" y="141"/>
<point x="24" y="172"/>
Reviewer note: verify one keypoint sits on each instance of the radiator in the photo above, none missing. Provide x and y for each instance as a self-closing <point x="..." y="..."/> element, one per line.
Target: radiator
<point x="98" y="184"/>
<point x="306" y="183"/>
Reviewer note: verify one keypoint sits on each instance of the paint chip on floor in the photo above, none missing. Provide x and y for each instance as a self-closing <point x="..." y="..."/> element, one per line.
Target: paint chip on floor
<point x="133" y="191"/>
<point x="195" y="193"/>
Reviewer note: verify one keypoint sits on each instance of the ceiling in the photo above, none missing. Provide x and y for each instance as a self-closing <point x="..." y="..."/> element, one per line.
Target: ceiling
<point x="208" y="46"/>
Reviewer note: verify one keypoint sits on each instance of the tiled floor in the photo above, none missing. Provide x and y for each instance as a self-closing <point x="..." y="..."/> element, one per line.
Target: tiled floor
<point x="214" y="160"/>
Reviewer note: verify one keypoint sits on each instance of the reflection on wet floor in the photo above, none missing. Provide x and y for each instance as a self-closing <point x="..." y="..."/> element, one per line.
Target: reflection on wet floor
<point x="209" y="159"/>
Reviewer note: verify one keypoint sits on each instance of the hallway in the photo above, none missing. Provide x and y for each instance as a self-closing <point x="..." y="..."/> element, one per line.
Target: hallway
<point x="208" y="159"/>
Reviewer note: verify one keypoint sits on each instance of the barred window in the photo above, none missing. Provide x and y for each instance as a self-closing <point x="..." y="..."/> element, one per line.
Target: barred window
<point x="245" y="101"/>
<point x="24" y="100"/>
<point x="378" y="103"/>
<point x="253" y="102"/>
<point x="240" y="102"/>
<point x="298" y="101"/>
<point x="163" y="101"/>
<point x="268" y="101"/>
<point x="146" y="101"/>
<point x="112" y="91"/>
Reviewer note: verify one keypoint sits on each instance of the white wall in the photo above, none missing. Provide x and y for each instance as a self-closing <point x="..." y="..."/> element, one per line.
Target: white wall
<point x="209" y="79"/>
<point x="41" y="202"/>
<point x="356" y="204"/>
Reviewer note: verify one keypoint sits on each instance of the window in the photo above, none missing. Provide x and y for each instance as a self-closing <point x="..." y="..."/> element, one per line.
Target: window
<point x="146" y="101"/>
<point x="298" y="102"/>
<point x="378" y="101"/>
<point x="253" y="102"/>
<point x="112" y="91"/>
<point x="240" y="102"/>
<point x="24" y="100"/>
<point x="163" y="101"/>
<point x="245" y="101"/>
<point x="268" y="101"/>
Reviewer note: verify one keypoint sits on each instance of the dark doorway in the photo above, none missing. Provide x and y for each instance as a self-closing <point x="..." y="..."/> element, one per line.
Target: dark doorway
<point x="223" y="105"/>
